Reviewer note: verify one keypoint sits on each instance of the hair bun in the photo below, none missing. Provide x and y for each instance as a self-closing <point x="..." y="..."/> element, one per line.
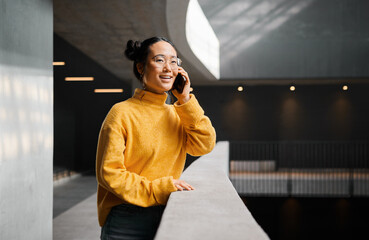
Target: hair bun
<point x="132" y="50"/>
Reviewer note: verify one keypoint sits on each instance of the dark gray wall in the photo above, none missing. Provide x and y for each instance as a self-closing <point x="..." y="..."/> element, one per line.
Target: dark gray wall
<point x="79" y="112"/>
<point x="291" y="38"/>
<point x="26" y="119"/>
<point x="273" y="113"/>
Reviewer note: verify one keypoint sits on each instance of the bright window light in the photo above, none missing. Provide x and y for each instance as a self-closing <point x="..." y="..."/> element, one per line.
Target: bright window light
<point x="201" y="38"/>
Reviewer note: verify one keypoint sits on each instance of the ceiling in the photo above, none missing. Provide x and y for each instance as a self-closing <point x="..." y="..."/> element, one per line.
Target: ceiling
<point x="308" y="41"/>
<point x="261" y="42"/>
<point x="101" y="29"/>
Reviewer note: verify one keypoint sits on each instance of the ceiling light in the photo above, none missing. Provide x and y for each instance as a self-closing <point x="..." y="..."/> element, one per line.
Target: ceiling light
<point x="58" y="63"/>
<point x="79" y="79"/>
<point x="240" y="88"/>
<point x="108" y="90"/>
<point x="345" y="88"/>
<point x="292" y="88"/>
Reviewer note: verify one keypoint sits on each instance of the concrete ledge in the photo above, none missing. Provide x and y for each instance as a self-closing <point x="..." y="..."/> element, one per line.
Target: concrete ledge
<point x="213" y="210"/>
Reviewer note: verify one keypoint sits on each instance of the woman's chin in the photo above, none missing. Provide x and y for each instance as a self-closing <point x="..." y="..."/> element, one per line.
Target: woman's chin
<point x="167" y="87"/>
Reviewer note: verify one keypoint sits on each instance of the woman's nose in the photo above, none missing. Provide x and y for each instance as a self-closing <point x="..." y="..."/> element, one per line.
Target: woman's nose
<point x="167" y="67"/>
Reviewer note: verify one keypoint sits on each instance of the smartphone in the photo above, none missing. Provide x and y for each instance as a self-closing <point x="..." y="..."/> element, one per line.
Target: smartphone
<point x="179" y="83"/>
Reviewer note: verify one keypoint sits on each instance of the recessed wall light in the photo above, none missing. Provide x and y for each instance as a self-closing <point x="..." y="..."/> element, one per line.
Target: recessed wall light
<point x="292" y="88"/>
<point x="240" y="88"/>
<point x="58" y="63"/>
<point x="79" y="79"/>
<point x="108" y="90"/>
<point x="345" y="88"/>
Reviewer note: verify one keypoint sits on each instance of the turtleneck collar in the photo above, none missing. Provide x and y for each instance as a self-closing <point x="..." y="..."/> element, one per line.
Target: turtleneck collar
<point x="150" y="97"/>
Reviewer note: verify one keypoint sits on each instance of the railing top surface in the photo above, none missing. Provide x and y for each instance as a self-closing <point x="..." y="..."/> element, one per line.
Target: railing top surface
<point x="213" y="210"/>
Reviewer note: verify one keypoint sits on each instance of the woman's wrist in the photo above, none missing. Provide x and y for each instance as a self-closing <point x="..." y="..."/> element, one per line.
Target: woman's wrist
<point x="184" y="99"/>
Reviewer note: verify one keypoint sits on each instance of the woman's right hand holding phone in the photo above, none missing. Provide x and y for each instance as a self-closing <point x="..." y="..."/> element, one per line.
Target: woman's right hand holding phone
<point x="185" y="95"/>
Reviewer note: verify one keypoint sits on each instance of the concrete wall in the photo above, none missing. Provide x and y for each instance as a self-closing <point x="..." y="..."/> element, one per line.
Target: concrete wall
<point x="26" y="119"/>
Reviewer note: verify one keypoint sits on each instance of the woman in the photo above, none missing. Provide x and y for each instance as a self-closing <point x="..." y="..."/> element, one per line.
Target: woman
<point x="143" y="143"/>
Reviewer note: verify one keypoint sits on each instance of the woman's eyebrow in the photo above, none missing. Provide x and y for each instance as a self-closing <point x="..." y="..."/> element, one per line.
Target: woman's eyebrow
<point x="162" y="55"/>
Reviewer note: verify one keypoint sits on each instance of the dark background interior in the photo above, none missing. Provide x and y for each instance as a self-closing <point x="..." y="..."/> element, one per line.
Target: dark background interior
<point x="259" y="113"/>
<point x="78" y="111"/>
<point x="288" y="218"/>
<point x="274" y="113"/>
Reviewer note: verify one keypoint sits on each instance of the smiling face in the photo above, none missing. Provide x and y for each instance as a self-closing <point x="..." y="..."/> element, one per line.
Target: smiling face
<point x="156" y="78"/>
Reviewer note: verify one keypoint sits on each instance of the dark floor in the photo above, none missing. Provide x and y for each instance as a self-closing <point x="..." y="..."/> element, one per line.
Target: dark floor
<point x="75" y="209"/>
<point x="311" y="218"/>
<point x="70" y="193"/>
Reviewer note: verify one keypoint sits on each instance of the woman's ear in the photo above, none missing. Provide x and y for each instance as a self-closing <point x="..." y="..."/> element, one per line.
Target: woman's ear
<point x="140" y="68"/>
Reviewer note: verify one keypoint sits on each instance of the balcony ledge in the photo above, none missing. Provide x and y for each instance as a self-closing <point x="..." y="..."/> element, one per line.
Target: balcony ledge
<point x="214" y="209"/>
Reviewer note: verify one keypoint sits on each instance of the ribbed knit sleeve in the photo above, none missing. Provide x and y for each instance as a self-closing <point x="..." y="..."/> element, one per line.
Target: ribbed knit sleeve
<point x="113" y="175"/>
<point x="199" y="130"/>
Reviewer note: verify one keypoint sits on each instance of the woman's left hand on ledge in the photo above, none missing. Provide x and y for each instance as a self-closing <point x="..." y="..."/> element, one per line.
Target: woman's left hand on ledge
<point x="181" y="185"/>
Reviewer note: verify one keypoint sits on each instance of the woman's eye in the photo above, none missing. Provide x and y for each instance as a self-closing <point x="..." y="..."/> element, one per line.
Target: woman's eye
<point x="173" y="62"/>
<point x="159" y="60"/>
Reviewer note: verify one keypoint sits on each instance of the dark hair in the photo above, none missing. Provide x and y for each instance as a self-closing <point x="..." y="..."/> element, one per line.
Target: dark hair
<point x="138" y="51"/>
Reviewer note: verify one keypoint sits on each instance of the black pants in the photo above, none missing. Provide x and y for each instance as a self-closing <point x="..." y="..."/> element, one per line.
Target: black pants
<point x="127" y="221"/>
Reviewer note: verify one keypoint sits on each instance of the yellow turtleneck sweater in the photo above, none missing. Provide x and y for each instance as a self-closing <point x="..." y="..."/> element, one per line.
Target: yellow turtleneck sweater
<point x="142" y="146"/>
